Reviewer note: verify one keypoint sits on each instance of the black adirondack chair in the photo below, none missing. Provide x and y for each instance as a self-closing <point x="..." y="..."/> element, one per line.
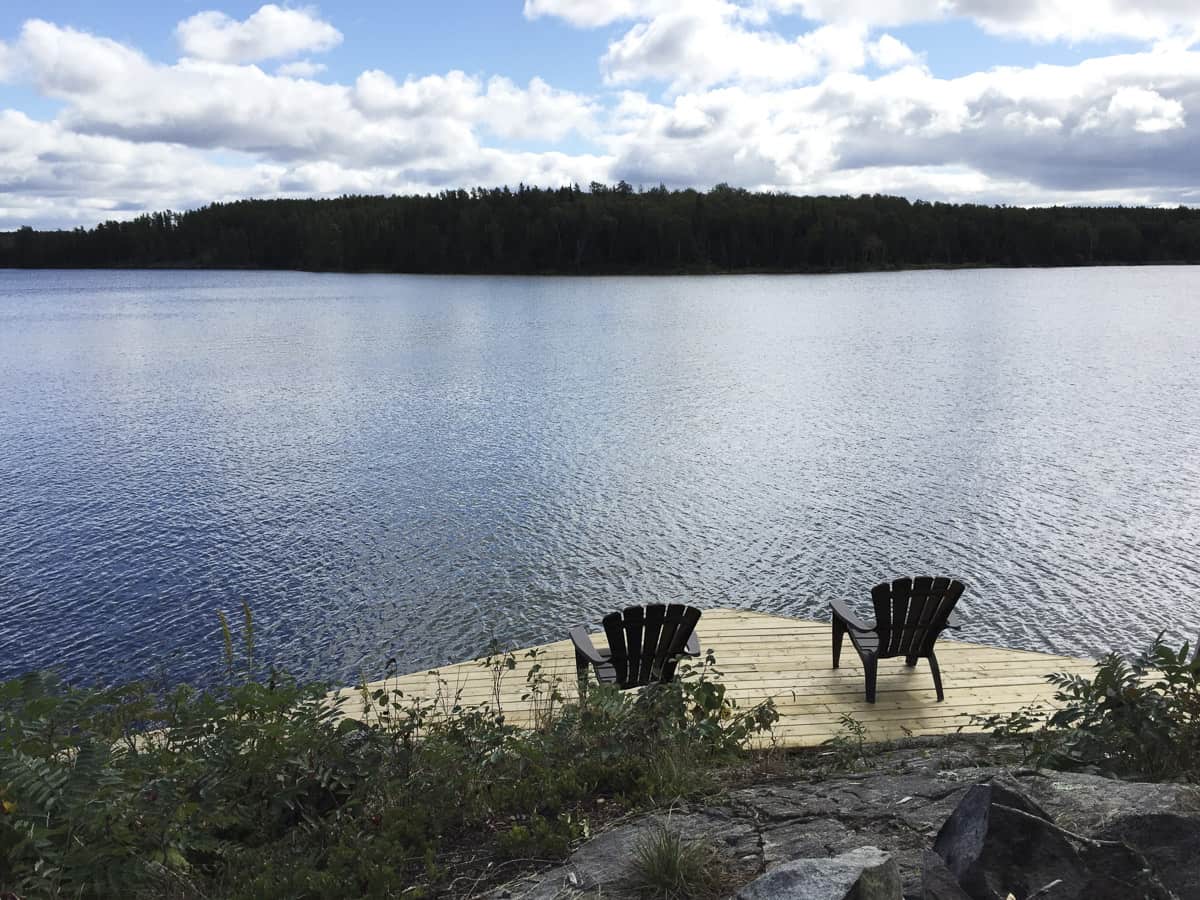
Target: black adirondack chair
<point x="644" y="645"/>
<point x="910" y="613"/>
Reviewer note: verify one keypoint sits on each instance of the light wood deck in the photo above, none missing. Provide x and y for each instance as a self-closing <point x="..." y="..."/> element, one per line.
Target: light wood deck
<point x="788" y="660"/>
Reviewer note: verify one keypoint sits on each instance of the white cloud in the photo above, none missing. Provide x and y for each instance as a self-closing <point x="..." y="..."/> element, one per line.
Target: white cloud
<point x="301" y="68"/>
<point x="538" y="111"/>
<point x="594" y="13"/>
<point x="1135" y="108"/>
<point x="162" y="135"/>
<point x="1045" y="20"/>
<point x="706" y="42"/>
<point x="1082" y="20"/>
<point x="1065" y="132"/>
<point x="743" y="104"/>
<point x="49" y="174"/>
<point x="64" y="61"/>
<point x="270" y="33"/>
<point x="890" y="53"/>
<point x="378" y="94"/>
<point x="112" y="90"/>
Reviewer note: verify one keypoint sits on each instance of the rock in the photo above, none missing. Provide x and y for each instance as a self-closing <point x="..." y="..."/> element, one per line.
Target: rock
<point x="999" y="842"/>
<point x="938" y="882"/>
<point x="863" y="874"/>
<point x="605" y="864"/>
<point x="1091" y="803"/>
<point x="1169" y="842"/>
<point x="898" y="808"/>
<point x="1159" y="821"/>
<point x="607" y="860"/>
<point x="899" y="805"/>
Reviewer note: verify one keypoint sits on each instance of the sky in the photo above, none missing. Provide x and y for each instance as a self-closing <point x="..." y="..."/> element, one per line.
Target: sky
<point x="109" y="110"/>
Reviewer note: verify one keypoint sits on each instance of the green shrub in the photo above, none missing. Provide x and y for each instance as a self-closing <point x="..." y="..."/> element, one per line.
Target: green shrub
<point x="1133" y="719"/>
<point x="262" y="788"/>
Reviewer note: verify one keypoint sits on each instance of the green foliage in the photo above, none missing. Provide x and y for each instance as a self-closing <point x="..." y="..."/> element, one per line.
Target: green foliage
<point x="670" y="867"/>
<point x="264" y="788"/>
<point x="1138" y="718"/>
<point x="848" y="748"/>
<point x="540" y="838"/>
<point x="616" y="229"/>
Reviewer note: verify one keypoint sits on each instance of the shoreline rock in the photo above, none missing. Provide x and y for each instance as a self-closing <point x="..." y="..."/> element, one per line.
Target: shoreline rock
<point x="899" y="807"/>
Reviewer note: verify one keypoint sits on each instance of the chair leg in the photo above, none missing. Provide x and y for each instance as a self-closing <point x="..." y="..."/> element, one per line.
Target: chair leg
<point x="839" y="631"/>
<point x="937" y="677"/>
<point x="871" y="666"/>
<point x="910" y="661"/>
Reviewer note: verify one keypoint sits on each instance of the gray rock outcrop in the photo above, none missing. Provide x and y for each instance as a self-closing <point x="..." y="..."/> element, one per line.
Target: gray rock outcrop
<point x="899" y="806"/>
<point x="863" y="874"/>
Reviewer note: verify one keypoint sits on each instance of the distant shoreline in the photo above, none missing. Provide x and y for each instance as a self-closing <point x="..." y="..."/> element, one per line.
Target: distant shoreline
<point x="681" y="273"/>
<point x="616" y="231"/>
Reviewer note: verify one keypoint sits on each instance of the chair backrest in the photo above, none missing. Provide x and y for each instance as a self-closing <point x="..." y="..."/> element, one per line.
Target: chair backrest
<point x="646" y="642"/>
<point x="910" y="613"/>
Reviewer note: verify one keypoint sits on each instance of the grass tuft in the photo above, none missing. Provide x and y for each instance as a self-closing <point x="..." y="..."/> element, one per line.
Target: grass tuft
<point x="670" y="867"/>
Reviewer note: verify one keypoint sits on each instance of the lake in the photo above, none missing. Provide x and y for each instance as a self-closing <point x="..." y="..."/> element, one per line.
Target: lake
<point x="407" y="467"/>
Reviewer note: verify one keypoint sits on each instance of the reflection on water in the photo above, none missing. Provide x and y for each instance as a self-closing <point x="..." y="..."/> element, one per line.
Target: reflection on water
<point x="406" y="466"/>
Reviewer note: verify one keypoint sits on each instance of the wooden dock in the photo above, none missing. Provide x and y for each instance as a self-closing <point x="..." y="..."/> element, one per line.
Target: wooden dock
<point x="788" y="660"/>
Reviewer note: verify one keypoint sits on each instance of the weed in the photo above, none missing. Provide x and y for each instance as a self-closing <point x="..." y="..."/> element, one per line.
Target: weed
<point x="848" y="748"/>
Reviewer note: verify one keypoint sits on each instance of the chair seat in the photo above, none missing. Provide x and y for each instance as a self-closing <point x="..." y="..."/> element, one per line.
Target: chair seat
<point x="866" y="642"/>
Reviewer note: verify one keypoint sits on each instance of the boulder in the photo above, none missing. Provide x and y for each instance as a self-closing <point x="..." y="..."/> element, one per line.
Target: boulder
<point x="937" y="881"/>
<point x="999" y="842"/>
<point x="863" y="874"/>
<point x="1169" y="842"/>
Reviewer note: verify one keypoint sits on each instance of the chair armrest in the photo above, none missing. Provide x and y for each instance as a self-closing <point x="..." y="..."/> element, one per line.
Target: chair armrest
<point x="954" y="621"/>
<point x="843" y="612"/>
<point x="692" y="648"/>
<point x="584" y="647"/>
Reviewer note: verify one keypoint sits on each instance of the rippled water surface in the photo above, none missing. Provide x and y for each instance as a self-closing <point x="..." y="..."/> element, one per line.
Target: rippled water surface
<point x="404" y="466"/>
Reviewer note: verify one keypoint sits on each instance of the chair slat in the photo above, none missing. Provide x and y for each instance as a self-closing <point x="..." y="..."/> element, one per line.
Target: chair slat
<point x="615" y="632"/>
<point x="679" y="640"/>
<point x="634" y="620"/>
<point x="655" y="614"/>
<point x="920" y="601"/>
<point x="672" y="621"/>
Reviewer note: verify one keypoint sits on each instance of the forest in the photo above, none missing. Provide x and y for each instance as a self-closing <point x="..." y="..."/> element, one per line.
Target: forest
<point x="614" y="229"/>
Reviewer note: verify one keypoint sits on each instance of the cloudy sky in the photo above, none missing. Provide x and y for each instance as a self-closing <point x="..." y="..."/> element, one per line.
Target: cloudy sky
<point x="108" y="109"/>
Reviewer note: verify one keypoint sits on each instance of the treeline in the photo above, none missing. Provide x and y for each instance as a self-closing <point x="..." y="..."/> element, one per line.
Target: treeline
<point x="614" y="229"/>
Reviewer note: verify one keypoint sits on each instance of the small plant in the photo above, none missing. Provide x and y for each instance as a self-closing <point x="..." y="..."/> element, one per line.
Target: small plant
<point x="543" y="692"/>
<point x="499" y="662"/>
<point x="670" y="867"/>
<point x="848" y="748"/>
<point x="539" y="838"/>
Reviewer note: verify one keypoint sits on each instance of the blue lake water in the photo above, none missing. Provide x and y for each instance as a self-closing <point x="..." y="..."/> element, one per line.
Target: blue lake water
<point x="393" y="466"/>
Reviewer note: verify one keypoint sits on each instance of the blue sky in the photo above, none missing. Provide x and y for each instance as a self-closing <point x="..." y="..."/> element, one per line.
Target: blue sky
<point x="110" y="109"/>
